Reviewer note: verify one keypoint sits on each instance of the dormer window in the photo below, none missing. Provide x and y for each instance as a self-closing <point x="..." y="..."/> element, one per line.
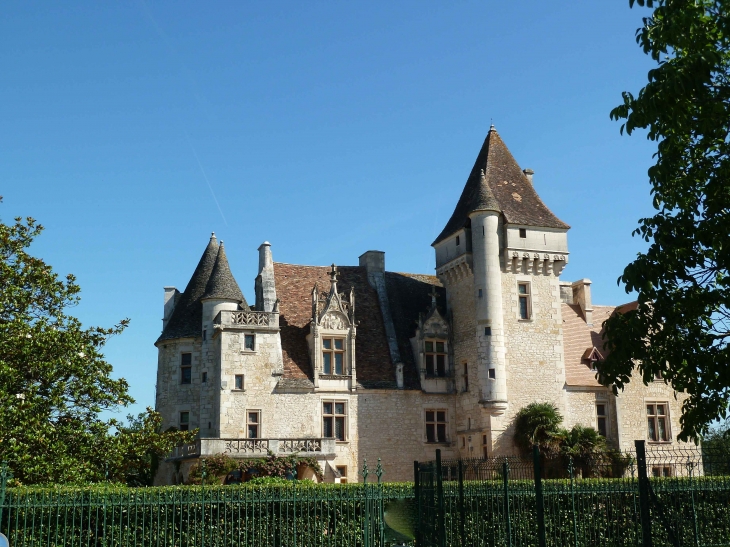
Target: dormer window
<point x="435" y="354"/>
<point x="333" y="356"/>
<point x="592" y="357"/>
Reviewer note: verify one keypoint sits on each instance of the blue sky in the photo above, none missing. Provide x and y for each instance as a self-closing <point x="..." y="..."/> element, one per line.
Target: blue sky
<point x="131" y="130"/>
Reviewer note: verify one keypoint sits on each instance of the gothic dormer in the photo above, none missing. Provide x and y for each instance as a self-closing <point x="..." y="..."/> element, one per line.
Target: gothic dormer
<point x="432" y="350"/>
<point x="332" y="337"/>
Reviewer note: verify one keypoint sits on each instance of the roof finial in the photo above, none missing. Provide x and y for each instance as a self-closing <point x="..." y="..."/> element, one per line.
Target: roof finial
<point x="212" y="235"/>
<point x="433" y="295"/>
<point x="333" y="273"/>
<point x="491" y="124"/>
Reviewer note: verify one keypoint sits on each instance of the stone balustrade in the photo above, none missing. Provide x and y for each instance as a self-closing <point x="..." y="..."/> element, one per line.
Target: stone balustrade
<point x="254" y="448"/>
<point x="247" y="319"/>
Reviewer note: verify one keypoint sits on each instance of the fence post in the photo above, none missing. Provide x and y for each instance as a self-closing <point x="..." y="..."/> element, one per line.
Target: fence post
<point x="541" y="539"/>
<point x="440" y="494"/>
<point x="366" y="508"/>
<point x="505" y="479"/>
<point x="462" y="516"/>
<point x="417" y="488"/>
<point x="571" y="471"/>
<point x="643" y="494"/>
<point x="4" y="476"/>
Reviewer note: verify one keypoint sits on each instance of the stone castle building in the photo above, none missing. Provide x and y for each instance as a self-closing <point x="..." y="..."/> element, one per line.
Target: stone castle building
<point x="348" y="363"/>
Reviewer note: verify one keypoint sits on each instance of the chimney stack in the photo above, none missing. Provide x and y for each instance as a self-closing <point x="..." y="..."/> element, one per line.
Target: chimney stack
<point x="265" y="283"/>
<point x="582" y="297"/>
<point x="374" y="261"/>
<point x="528" y="173"/>
<point x="171" y="297"/>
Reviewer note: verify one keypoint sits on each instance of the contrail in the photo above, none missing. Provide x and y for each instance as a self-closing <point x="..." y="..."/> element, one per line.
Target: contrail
<point x="212" y="193"/>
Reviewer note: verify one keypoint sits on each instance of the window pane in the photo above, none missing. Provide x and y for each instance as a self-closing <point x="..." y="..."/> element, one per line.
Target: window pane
<point x="429" y="416"/>
<point x="667" y="471"/>
<point x="338" y="343"/>
<point x="652" y="429"/>
<point x="441" y="365"/>
<point x="186" y="376"/>
<point x="441" y="430"/>
<point x="440" y="347"/>
<point x="601" y="410"/>
<point x="338" y="363"/>
<point x="649" y="410"/>
<point x="327" y="343"/>
<point x="429" y="345"/>
<point x="239" y="382"/>
<point x="327" y="363"/>
<point x="340" y="429"/>
<point x="523" y="307"/>
<point x="660" y="410"/>
<point x="327" y="408"/>
<point x="186" y="359"/>
<point x="253" y="417"/>
<point x="184" y="417"/>
<point x="430" y="433"/>
<point x="184" y="427"/>
<point x="339" y="408"/>
<point x="253" y="431"/>
<point x="656" y="471"/>
<point x="440" y="416"/>
<point x="662" y="429"/>
<point x="522" y="288"/>
<point x="327" y="428"/>
<point x="602" y="427"/>
<point x="429" y="364"/>
<point x="249" y="342"/>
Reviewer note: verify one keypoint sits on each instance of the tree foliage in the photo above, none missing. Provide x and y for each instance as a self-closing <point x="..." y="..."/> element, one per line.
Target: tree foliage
<point x="681" y="326"/>
<point x="538" y="424"/>
<point x="55" y="382"/>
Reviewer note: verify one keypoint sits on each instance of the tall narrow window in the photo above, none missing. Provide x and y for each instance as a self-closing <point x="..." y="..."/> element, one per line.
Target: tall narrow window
<point x="523" y="290"/>
<point x="485" y="450"/>
<point x="466" y="377"/>
<point x="602" y="419"/>
<point x="186" y="368"/>
<point x="204" y="377"/>
<point x="253" y="424"/>
<point x="238" y="382"/>
<point x="436" y="426"/>
<point x="657" y="418"/>
<point x="249" y="342"/>
<point x="333" y="355"/>
<point x="435" y="358"/>
<point x="334" y="420"/>
<point x="458" y="241"/>
<point x="184" y="421"/>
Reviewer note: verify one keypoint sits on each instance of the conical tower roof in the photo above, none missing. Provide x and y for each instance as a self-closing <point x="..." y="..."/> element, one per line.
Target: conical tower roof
<point x="221" y="283"/>
<point x="187" y="317"/>
<point x="496" y="183"/>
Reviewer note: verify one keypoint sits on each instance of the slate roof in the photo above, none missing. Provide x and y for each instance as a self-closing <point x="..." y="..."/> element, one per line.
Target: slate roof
<point x="579" y="337"/>
<point x="504" y="187"/>
<point x="221" y="283"/>
<point x="408" y="294"/>
<point x="187" y="317"/>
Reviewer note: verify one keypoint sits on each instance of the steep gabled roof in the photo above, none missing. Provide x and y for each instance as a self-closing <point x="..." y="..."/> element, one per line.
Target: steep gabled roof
<point x="502" y="187"/>
<point x="221" y="283"/>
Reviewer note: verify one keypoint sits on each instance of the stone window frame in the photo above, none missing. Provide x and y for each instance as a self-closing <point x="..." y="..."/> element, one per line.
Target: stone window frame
<point x="183" y="425"/>
<point x="334" y="351"/>
<point x="334" y="416"/>
<point x="655" y="417"/>
<point x="246" y="336"/>
<point x="436" y="422"/>
<point x="605" y="417"/>
<point x="257" y="424"/>
<point x="186" y="367"/>
<point x="342" y="470"/>
<point x="436" y="354"/>
<point x="243" y="382"/>
<point x="528" y="297"/>
<point x="662" y="471"/>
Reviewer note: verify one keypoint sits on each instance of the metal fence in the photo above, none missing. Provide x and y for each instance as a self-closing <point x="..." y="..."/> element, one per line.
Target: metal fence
<point x="642" y="498"/>
<point x="298" y="514"/>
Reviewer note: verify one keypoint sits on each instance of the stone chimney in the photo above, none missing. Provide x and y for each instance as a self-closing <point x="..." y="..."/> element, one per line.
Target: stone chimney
<point x="582" y="297"/>
<point x="373" y="261"/>
<point x="171" y="298"/>
<point x="265" y="283"/>
<point x="528" y="173"/>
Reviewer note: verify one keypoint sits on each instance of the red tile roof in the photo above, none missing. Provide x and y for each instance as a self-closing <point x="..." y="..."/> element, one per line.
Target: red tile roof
<point x="578" y="338"/>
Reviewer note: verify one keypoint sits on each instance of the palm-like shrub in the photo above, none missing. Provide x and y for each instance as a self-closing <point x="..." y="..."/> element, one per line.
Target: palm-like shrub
<point x="587" y="448"/>
<point x="538" y="424"/>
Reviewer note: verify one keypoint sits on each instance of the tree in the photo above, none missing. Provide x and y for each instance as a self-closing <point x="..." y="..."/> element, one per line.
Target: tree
<point x="681" y="325"/>
<point x="54" y="380"/>
<point x="538" y="424"/>
<point x="586" y="446"/>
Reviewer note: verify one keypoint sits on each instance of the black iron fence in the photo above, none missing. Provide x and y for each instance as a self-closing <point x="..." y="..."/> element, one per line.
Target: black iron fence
<point x="674" y="497"/>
